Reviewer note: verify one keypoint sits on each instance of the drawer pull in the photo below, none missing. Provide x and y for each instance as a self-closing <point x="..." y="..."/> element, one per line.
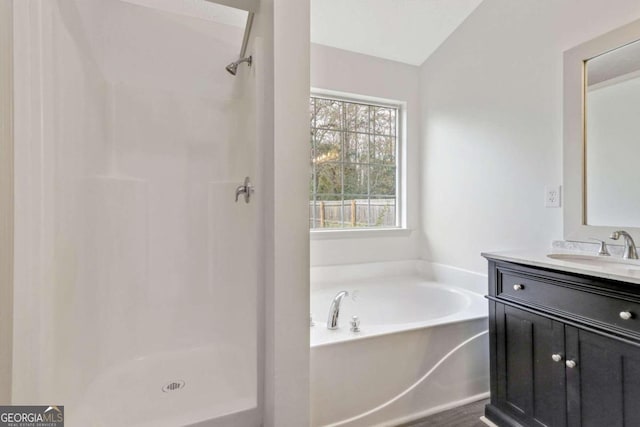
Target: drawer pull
<point x="556" y="357"/>
<point x="571" y="364"/>
<point x="626" y="315"/>
<point x="518" y="287"/>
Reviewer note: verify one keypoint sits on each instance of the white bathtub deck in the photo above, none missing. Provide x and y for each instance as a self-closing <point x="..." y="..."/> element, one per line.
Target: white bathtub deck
<point x="423" y="344"/>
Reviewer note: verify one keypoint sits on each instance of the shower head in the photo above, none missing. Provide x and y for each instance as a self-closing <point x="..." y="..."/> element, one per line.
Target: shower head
<point x="233" y="67"/>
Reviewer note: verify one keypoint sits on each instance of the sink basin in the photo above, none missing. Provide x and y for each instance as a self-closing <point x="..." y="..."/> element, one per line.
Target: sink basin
<point x="599" y="261"/>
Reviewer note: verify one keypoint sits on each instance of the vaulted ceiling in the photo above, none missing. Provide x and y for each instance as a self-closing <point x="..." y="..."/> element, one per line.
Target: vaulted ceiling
<point x="401" y="30"/>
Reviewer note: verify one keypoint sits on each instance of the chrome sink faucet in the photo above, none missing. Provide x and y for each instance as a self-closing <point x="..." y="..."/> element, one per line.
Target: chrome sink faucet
<point x="630" y="251"/>
<point x="334" y="310"/>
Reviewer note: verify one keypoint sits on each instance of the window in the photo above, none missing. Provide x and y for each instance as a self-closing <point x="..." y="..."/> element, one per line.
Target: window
<point x="354" y="162"/>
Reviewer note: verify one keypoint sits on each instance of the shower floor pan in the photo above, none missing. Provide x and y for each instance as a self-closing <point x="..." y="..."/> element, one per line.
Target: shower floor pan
<point x="188" y="387"/>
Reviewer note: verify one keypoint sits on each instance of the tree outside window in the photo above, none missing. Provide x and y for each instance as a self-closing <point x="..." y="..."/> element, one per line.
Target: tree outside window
<point x="354" y="166"/>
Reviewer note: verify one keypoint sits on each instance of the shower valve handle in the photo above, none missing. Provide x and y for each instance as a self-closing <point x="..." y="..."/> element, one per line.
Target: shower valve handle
<point x="246" y="189"/>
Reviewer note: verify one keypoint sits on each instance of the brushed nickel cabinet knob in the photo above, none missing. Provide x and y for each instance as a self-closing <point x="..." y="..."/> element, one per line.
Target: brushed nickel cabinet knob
<point x="571" y="364"/>
<point x="518" y="287"/>
<point x="626" y="315"/>
<point x="556" y="357"/>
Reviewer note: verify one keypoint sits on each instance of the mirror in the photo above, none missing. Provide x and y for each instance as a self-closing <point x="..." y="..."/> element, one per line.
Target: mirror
<point x="612" y="138"/>
<point x="601" y="132"/>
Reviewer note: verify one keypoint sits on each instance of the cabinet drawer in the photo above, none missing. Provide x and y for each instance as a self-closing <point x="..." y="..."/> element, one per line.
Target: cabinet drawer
<point x="548" y="296"/>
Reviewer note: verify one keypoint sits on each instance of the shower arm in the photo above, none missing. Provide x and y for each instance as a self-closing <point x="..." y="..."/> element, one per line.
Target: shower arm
<point x="247" y="33"/>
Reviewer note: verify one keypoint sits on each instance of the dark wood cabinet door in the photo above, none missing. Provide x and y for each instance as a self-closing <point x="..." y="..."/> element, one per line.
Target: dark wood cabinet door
<point x="603" y="389"/>
<point x="530" y="384"/>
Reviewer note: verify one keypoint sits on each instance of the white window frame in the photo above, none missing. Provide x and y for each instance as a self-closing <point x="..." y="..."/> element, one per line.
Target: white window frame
<point x="401" y="177"/>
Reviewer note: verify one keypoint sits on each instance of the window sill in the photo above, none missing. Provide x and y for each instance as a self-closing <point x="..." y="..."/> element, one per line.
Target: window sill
<point x="356" y="234"/>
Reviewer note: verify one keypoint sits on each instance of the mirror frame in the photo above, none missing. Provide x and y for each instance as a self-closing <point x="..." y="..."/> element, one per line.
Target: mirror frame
<point x="574" y="93"/>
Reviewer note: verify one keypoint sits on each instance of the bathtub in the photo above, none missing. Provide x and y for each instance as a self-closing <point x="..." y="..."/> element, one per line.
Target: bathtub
<point x="422" y="346"/>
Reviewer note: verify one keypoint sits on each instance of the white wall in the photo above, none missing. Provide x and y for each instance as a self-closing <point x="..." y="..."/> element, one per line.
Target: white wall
<point x="285" y="32"/>
<point x="353" y="73"/>
<point x="492" y="125"/>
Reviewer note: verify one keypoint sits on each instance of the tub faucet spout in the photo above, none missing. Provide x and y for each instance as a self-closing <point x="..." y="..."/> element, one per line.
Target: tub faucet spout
<point x="334" y="310"/>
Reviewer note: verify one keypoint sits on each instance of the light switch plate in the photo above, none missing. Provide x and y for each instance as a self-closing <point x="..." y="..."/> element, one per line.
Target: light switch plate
<point x="552" y="195"/>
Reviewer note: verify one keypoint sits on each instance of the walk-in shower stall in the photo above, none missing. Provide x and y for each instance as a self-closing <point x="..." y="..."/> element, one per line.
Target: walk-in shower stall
<point x="136" y="270"/>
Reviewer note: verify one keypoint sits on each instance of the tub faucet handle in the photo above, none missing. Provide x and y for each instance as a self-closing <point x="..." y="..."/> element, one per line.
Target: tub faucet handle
<point x="355" y="324"/>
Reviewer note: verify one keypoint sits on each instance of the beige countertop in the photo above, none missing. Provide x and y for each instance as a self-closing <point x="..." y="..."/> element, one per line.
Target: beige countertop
<point x="539" y="258"/>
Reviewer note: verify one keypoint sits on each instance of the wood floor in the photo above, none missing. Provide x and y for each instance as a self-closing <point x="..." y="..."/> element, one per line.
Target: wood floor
<point x="463" y="416"/>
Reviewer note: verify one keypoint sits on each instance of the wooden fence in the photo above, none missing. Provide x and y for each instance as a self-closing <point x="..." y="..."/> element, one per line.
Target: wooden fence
<point x="352" y="213"/>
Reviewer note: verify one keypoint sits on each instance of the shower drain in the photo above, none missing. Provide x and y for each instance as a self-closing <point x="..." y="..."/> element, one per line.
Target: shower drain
<point x="173" y="386"/>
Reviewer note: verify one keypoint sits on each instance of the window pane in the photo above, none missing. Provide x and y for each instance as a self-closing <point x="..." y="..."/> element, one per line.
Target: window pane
<point x="328" y="114"/>
<point x="312" y="113"/>
<point x="356" y="148"/>
<point x="383" y="212"/>
<point x="330" y="197"/>
<point x="394" y="120"/>
<point x="328" y="146"/>
<point x="314" y="220"/>
<point x="356" y="180"/>
<point x="356" y="210"/>
<point x="329" y="211"/>
<point x="328" y="178"/>
<point x="333" y="216"/>
<point x="383" y="150"/>
<point x="313" y="145"/>
<point x="346" y="214"/>
<point x="357" y="117"/>
<point x="312" y="181"/>
<point x="382" y="121"/>
<point x="382" y="180"/>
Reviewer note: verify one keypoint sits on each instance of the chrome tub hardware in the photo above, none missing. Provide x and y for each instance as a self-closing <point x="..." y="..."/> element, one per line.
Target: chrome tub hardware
<point x="245" y="189"/>
<point x="630" y="251"/>
<point x="518" y="287"/>
<point x="626" y="315"/>
<point x="602" y="251"/>
<point x="355" y="324"/>
<point x="556" y="357"/>
<point x="334" y="310"/>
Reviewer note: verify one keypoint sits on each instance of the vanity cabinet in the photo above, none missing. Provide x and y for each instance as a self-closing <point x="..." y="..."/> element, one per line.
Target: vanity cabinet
<point x="565" y="349"/>
<point x="530" y="385"/>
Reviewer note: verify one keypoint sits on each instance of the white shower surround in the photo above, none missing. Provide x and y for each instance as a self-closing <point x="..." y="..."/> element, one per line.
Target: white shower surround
<point x="130" y="140"/>
<point x="422" y="348"/>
